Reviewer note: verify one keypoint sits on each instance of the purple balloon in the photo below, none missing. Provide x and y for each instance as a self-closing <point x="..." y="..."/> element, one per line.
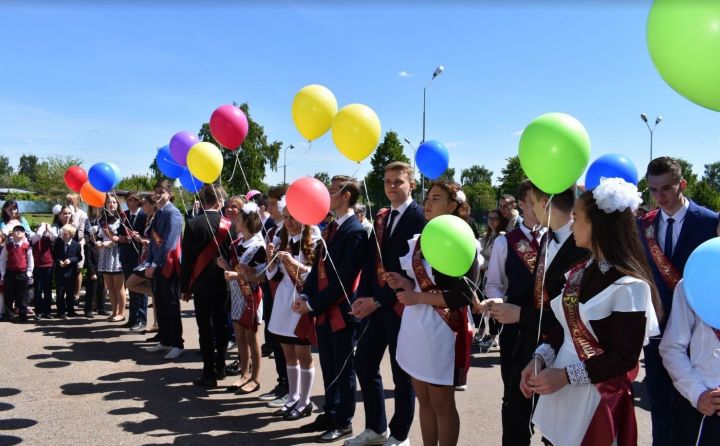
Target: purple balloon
<point x="180" y="146"/>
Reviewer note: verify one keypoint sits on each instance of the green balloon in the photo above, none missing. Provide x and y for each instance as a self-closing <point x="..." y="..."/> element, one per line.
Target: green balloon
<point x="683" y="38"/>
<point x="448" y="244"/>
<point x="554" y="151"/>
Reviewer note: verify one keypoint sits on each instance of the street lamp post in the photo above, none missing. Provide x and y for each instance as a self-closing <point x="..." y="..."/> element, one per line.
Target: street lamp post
<point x="285" y="161"/>
<point x="422" y="179"/>
<point x="435" y="74"/>
<point x="643" y="116"/>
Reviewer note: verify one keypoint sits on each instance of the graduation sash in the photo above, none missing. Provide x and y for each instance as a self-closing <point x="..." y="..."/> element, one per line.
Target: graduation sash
<point x="527" y="251"/>
<point x="172" y="259"/>
<point x="211" y="250"/>
<point x="667" y="270"/>
<point x="333" y="314"/>
<point x="540" y="295"/>
<point x="305" y="328"/>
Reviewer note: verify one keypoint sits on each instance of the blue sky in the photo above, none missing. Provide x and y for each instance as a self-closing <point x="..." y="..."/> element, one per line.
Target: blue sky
<point x="114" y="82"/>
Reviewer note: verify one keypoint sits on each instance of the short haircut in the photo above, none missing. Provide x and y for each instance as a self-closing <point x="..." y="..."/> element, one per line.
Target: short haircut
<point x="73" y="199"/>
<point x="277" y="192"/>
<point x="663" y="165"/>
<point x="348" y="184"/>
<point x="523" y="189"/>
<point x="211" y="194"/>
<point x="252" y="221"/>
<point x="70" y="229"/>
<point x="564" y="201"/>
<point x="167" y="186"/>
<point x="402" y="167"/>
<point x="360" y="209"/>
<point x="508" y="197"/>
<point x="133" y="196"/>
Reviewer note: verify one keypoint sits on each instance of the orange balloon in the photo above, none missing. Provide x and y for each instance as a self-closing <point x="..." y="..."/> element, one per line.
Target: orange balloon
<point x="92" y="196"/>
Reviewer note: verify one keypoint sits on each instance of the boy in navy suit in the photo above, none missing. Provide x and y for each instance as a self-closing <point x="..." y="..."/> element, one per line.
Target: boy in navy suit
<point x="378" y="306"/>
<point x="669" y="234"/>
<point x="66" y="255"/>
<point x="327" y="295"/>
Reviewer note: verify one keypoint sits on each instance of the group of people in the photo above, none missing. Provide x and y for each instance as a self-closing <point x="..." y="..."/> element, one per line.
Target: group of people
<point x="574" y="288"/>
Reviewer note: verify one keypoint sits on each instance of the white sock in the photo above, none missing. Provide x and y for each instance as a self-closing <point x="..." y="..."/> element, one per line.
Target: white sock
<point x="293" y="373"/>
<point x="307" y="376"/>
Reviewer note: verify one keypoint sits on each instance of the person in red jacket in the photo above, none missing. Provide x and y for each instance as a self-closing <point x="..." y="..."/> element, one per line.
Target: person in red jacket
<point x="42" y="242"/>
<point x="16" y="267"/>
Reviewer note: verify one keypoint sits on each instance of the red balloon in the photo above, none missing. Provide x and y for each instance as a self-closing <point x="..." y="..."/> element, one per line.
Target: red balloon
<point x="308" y="200"/>
<point x="75" y="177"/>
<point x="229" y="126"/>
<point x="92" y="196"/>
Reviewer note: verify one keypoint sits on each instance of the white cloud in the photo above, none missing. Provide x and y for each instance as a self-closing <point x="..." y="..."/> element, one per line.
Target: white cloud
<point x="404" y="73"/>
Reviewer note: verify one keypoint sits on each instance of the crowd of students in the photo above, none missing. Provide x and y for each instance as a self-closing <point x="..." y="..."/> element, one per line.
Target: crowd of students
<point x="573" y="288"/>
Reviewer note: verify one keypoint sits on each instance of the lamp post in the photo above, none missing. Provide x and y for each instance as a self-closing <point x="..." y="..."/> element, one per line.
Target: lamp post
<point x="422" y="177"/>
<point x="285" y="161"/>
<point x="435" y="74"/>
<point x="643" y="116"/>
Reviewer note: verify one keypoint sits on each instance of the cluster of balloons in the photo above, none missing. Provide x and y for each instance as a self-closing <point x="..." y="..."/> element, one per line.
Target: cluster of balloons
<point x="93" y="185"/>
<point x="355" y="128"/>
<point x="196" y="162"/>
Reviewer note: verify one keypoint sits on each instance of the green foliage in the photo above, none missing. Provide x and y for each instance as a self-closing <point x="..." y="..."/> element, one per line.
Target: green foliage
<point x="389" y="150"/>
<point x="23" y="196"/>
<point x="28" y="166"/>
<point x="477" y="185"/>
<point x="19" y="181"/>
<point x="475" y="174"/>
<point x="50" y="183"/>
<point x="5" y="168"/>
<point x="34" y="220"/>
<point x="705" y="195"/>
<point x="249" y="161"/>
<point x="511" y="176"/>
<point x="712" y="175"/>
<point x="137" y="182"/>
<point x="324" y="177"/>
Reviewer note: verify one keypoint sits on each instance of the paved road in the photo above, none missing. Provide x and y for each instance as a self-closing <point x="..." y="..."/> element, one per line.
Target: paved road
<point x="88" y="382"/>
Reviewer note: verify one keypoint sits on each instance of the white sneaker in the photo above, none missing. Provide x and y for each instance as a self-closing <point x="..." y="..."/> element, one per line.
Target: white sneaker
<point x="369" y="437"/>
<point x="157" y="348"/>
<point x="392" y="441"/>
<point x="174" y="353"/>
<point x="461" y="388"/>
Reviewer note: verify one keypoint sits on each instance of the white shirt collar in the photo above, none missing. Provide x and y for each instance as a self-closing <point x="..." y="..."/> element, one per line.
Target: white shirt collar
<point x="403" y="206"/>
<point x="340" y="220"/>
<point x="296" y="238"/>
<point x="563" y="233"/>
<point x="679" y="215"/>
<point x="257" y="238"/>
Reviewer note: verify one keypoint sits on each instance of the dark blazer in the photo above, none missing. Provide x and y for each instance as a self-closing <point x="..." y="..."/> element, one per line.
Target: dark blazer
<point x="393" y="248"/>
<point x="199" y="235"/>
<point x="348" y="249"/>
<point x="168" y="225"/>
<point x="73" y="253"/>
<point x="129" y="252"/>
<point x="700" y="225"/>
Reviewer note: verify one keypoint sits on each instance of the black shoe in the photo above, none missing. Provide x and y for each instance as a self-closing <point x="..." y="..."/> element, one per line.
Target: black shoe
<point x="205" y="382"/>
<point x="47" y="316"/>
<point x="37" y="316"/>
<point x="323" y="422"/>
<point x="89" y="314"/>
<point x="137" y="327"/>
<point x="273" y="394"/>
<point x="284" y="411"/>
<point x="72" y="314"/>
<point x="233" y="369"/>
<point x="220" y="374"/>
<point x="22" y="318"/>
<point x="62" y="316"/>
<point x="335" y="434"/>
<point x="295" y="414"/>
<point x="155" y="338"/>
<point x="103" y="313"/>
<point x="266" y="350"/>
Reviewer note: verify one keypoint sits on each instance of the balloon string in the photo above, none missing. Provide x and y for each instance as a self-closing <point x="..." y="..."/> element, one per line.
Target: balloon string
<point x="242" y="171"/>
<point x="352" y="176"/>
<point x="369" y="212"/>
<point x="237" y="160"/>
<point x="699" y="436"/>
<point x="204" y="212"/>
<point x="327" y="256"/>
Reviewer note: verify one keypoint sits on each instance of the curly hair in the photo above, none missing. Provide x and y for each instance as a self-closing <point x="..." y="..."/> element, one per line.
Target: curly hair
<point x="306" y="243"/>
<point x="452" y="188"/>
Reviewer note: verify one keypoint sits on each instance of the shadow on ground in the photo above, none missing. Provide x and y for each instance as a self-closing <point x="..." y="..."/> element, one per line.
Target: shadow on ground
<point x="7" y="423"/>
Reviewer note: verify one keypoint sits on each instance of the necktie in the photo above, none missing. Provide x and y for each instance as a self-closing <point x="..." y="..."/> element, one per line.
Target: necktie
<point x="66" y="248"/>
<point x="669" y="238"/>
<point x="331" y="231"/>
<point x="393" y="215"/>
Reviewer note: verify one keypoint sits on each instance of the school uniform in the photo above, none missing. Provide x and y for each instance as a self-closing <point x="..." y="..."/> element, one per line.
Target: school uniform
<point x="129" y="253"/>
<point x="246" y="297"/>
<point x="16" y="267"/>
<point x="94" y="288"/>
<point x="66" y="277"/>
<point x="42" y="273"/>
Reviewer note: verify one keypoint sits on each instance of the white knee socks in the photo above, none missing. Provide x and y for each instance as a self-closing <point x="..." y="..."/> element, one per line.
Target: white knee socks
<point x="307" y="376"/>
<point x="293" y="373"/>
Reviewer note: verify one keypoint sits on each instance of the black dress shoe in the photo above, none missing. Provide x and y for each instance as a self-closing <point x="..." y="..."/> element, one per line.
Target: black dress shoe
<point x="155" y="338"/>
<point x="323" y="422"/>
<point x="220" y="375"/>
<point x="284" y="410"/>
<point x="137" y="328"/>
<point x="336" y="434"/>
<point x="205" y="382"/>
<point x="233" y="369"/>
<point x="295" y="414"/>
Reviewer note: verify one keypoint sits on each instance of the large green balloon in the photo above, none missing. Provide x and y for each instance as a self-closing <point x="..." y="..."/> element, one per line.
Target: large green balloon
<point x="448" y="244"/>
<point x="683" y="38"/>
<point x="554" y="151"/>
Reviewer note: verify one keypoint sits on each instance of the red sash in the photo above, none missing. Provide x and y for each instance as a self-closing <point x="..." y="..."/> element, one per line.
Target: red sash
<point x="248" y="319"/>
<point x="172" y="259"/>
<point x="614" y="417"/>
<point x="379" y="267"/>
<point x="456" y="319"/>
<point x="210" y="252"/>
<point x="305" y="328"/>
<point x="527" y="251"/>
<point x="667" y="270"/>
<point x="540" y="295"/>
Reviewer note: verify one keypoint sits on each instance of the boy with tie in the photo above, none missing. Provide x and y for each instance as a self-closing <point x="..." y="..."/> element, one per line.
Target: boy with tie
<point x="67" y="254"/>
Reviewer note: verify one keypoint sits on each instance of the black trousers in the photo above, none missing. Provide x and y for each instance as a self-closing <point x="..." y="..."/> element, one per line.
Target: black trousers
<point x="382" y="333"/>
<point x="94" y="292"/>
<point x="42" y="276"/>
<point x="686" y="425"/>
<point x="65" y="293"/>
<point x="210" y="316"/>
<point x="661" y="394"/>
<point x="336" y="362"/>
<point x="16" y="290"/>
<point x="167" y="304"/>
<point x="516" y="409"/>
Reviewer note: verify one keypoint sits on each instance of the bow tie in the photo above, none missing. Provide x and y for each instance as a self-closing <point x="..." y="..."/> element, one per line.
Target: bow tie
<point x="553" y="237"/>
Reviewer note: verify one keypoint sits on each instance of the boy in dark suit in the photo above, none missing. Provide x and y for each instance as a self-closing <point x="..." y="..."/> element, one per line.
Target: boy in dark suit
<point x="669" y="234"/>
<point x="377" y="305"/>
<point x="66" y="254"/>
<point x="129" y="250"/>
<point x="327" y="295"/>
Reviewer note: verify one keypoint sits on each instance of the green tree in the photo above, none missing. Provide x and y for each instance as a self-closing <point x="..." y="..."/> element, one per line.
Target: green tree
<point x="137" y="182"/>
<point x="389" y="150"/>
<point x="448" y="175"/>
<point x="689" y="175"/>
<point x="19" y="181"/>
<point x="28" y="166"/>
<point x="50" y="181"/>
<point x="475" y="174"/>
<point x="324" y="177"/>
<point x="244" y="168"/>
<point x="712" y="175"/>
<point x="5" y="168"/>
<point x="705" y="195"/>
<point x="511" y="176"/>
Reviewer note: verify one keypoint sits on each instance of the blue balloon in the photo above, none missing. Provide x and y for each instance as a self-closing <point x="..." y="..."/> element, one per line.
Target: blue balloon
<point x="189" y="182"/>
<point x="432" y="159"/>
<point x="104" y="176"/>
<point x="612" y="165"/>
<point x="701" y="267"/>
<point x="167" y="164"/>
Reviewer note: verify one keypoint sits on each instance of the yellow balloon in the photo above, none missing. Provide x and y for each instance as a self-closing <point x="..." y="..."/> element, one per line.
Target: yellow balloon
<point x="205" y="161"/>
<point x="356" y="131"/>
<point x="313" y="109"/>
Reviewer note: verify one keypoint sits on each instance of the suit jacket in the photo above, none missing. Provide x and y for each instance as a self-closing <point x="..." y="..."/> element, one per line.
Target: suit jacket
<point x="393" y="247"/>
<point x="168" y="225"/>
<point x="73" y="253"/>
<point x="700" y="225"/>
<point x="197" y="237"/>
<point x="130" y="252"/>
<point x="348" y="249"/>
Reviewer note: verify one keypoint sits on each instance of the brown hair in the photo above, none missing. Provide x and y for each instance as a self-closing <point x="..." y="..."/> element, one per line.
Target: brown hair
<point x="73" y="199"/>
<point x="211" y="194"/>
<point x="508" y="197"/>
<point x="523" y="189"/>
<point x="348" y="184"/>
<point x="306" y="243"/>
<point x="564" y="201"/>
<point x="663" y="165"/>
<point x="251" y="220"/>
<point x="616" y="238"/>
<point x="167" y="186"/>
<point x="277" y="192"/>
<point x="452" y="188"/>
<point x="133" y="196"/>
<point x="502" y="221"/>
<point x="402" y="167"/>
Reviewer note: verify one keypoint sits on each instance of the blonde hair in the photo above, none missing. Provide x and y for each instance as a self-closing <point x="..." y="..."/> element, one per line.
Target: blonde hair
<point x="70" y="229"/>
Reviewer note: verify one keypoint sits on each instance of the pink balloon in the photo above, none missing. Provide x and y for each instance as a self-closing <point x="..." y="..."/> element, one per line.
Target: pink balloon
<point x="308" y="200"/>
<point x="229" y="126"/>
<point x="252" y="193"/>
